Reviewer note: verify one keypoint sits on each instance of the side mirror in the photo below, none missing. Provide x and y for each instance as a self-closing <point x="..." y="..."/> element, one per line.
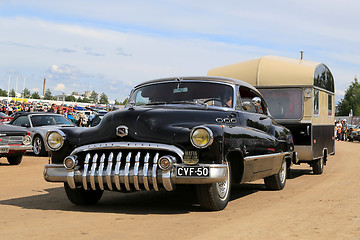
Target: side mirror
<point x="246" y="105"/>
<point x="25" y="125"/>
<point x="256" y="101"/>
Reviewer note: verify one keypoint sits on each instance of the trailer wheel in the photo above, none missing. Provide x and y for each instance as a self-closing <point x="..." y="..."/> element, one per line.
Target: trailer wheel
<point x="318" y="166"/>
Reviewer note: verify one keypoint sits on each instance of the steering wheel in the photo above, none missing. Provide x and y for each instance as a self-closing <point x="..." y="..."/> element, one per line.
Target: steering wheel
<point x="218" y="100"/>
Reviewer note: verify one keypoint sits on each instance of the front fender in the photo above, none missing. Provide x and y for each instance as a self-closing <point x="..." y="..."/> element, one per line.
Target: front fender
<point x="212" y="154"/>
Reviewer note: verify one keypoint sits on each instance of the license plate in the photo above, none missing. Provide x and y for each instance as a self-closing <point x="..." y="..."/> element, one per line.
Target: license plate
<point x="192" y="171"/>
<point x="4" y="150"/>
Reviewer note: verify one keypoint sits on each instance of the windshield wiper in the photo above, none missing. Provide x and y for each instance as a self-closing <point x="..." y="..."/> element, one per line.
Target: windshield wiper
<point x="189" y="102"/>
<point x="157" y="103"/>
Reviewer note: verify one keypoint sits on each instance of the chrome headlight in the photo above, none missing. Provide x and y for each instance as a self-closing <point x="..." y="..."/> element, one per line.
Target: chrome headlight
<point x="201" y="137"/>
<point x="27" y="140"/>
<point x="55" y="140"/>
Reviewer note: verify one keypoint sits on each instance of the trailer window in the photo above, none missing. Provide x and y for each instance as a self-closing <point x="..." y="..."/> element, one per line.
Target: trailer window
<point x="329" y="105"/>
<point x="284" y="103"/>
<point x="316" y="102"/>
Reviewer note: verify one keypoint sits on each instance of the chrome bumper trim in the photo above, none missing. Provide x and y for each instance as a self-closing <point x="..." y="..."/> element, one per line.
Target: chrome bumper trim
<point x="17" y="147"/>
<point x="75" y="177"/>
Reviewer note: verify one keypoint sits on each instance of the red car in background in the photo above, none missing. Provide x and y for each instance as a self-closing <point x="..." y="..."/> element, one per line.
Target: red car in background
<point x="14" y="142"/>
<point x="5" y="118"/>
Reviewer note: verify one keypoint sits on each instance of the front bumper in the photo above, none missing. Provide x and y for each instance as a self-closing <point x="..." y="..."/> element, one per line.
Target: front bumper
<point x="10" y="149"/>
<point x="130" y="179"/>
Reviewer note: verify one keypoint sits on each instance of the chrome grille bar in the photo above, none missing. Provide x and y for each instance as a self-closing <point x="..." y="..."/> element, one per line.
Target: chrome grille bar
<point x="93" y="169"/>
<point x="108" y="171"/>
<point x="154" y="181"/>
<point x="86" y="166"/>
<point x="117" y="171"/>
<point x="100" y="172"/>
<point x="126" y="174"/>
<point x="145" y="172"/>
<point x="136" y="171"/>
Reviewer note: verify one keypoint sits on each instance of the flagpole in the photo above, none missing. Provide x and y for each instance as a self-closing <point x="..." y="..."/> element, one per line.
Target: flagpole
<point x="17" y="79"/>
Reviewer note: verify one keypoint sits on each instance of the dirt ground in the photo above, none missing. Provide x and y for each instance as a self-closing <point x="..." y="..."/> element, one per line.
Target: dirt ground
<point x="311" y="206"/>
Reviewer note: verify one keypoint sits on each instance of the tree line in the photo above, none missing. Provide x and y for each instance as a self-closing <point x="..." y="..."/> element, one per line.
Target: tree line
<point x="93" y="98"/>
<point x="351" y="100"/>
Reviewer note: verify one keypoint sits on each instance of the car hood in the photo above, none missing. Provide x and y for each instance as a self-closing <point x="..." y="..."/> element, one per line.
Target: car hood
<point x="159" y="125"/>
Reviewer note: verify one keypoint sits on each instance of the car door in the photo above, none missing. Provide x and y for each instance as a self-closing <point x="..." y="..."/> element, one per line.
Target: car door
<point x="262" y="145"/>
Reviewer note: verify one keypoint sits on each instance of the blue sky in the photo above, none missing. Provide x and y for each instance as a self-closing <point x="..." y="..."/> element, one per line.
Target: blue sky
<point x="110" y="46"/>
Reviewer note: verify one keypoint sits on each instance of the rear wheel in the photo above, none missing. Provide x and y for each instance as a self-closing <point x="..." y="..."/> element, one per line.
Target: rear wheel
<point x="277" y="181"/>
<point x="215" y="196"/>
<point x="318" y="166"/>
<point x="14" y="160"/>
<point x="80" y="196"/>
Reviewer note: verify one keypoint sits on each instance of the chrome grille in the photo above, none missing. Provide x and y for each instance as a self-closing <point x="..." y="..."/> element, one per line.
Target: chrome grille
<point x="8" y="140"/>
<point x="120" y="169"/>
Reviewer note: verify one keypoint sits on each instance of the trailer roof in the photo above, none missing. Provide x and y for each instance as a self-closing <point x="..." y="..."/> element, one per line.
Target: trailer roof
<point x="278" y="71"/>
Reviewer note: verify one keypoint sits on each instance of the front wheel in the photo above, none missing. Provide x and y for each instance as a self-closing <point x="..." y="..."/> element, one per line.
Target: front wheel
<point x="14" y="160"/>
<point x="215" y="196"/>
<point x="80" y="196"/>
<point x="38" y="146"/>
<point x="277" y="181"/>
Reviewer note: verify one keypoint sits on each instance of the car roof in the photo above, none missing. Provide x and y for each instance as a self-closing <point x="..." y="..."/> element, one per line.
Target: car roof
<point x="35" y="113"/>
<point x="200" y="78"/>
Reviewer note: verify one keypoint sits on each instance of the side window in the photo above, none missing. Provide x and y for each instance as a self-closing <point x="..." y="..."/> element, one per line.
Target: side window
<point x="246" y="96"/>
<point x="316" y="102"/>
<point x="21" y="120"/>
<point x="329" y="105"/>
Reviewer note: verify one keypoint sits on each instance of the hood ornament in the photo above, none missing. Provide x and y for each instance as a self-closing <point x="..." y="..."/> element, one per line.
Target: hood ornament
<point x="122" y="131"/>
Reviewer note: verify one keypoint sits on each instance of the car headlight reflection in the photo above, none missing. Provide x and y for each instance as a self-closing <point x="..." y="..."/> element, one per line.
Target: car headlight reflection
<point x="201" y="137"/>
<point x="55" y="140"/>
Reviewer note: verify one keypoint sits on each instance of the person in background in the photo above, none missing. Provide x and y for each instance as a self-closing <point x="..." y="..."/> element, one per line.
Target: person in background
<point x="344" y="131"/>
<point x="60" y="111"/>
<point x="80" y="121"/>
<point x="338" y="127"/>
<point x="71" y="114"/>
<point x="53" y="108"/>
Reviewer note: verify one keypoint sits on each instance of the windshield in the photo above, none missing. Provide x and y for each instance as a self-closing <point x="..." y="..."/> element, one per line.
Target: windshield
<point x="185" y="92"/>
<point x="284" y="103"/>
<point x="43" y="120"/>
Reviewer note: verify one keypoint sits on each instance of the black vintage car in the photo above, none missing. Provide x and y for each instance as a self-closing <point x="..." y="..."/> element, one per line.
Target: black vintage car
<point x="14" y="142"/>
<point x="205" y="131"/>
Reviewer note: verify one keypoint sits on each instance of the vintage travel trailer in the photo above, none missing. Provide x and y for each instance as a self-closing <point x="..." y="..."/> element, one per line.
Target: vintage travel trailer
<point x="300" y="96"/>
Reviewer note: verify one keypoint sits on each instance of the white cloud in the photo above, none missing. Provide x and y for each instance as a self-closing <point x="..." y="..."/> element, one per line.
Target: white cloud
<point x="109" y="49"/>
<point x="60" y="87"/>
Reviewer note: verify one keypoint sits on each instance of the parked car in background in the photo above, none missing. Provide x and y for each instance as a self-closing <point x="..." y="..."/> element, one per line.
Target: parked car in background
<point x="14" y="142"/>
<point x="5" y="118"/>
<point x="206" y="131"/>
<point x="354" y="133"/>
<point x="38" y="124"/>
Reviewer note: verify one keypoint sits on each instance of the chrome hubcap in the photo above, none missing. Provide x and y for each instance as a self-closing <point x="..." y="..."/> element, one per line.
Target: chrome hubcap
<point x="223" y="187"/>
<point x="282" y="174"/>
<point x="37" y="146"/>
